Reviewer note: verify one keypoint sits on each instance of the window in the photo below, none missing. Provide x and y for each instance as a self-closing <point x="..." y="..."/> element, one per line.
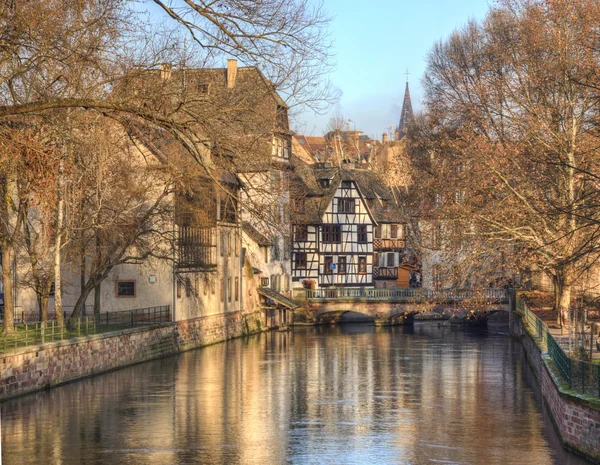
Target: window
<point x="276" y="282"/>
<point x="361" y="235"/>
<point x="327" y="267"/>
<point x="459" y="196"/>
<point x="362" y="264"/>
<point x="390" y="259"/>
<point x="222" y="290"/>
<point x="237" y="244"/>
<point x="436" y="277"/>
<point x="264" y="282"/>
<point x="394" y="231"/>
<point x="223" y="244"/>
<point x="438" y="200"/>
<point x="286" y="150"/>
<point x="375" y="259"/>
<point x="275" y="250"/>
<point x="203" y="89"/>
<point x="342" y="265"/>
<point x="229" y="243"/>
<point x="332" y="233"/>
<point x="300" y="260"/>
<point x="237" y="288"/>
<point x="377" y="232"/>
<point x="324" y="182"/>
<point x="197" y="286"/>
<point x="437" y="236"/>
<point x="179" y="288"/>
<point x="206" y="284"/>
<point x="125" y="288"/>
<point x="346" y="205"/>
<point x="346" y="184"/>
<point x="188" y="287"/>
<point x="228" y="289"/>
<point x="302" y="233"/>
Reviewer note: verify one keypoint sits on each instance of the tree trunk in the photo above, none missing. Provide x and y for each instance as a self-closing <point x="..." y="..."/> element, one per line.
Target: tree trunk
<point x="97" y="298"/>
<point x="557" y="292"/>
<point x="57" y="251"/>
<point x="85" y="292"/>
<point x="7" y="281"/>
<point x="82" y="275"/>
<point x="564" y="303"/>
<point x="43" y="303"/>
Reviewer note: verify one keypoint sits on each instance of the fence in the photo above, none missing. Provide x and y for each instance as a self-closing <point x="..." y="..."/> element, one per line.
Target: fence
<point x="579" y="375"/>
<point x="36" y="333"/>
<point x="404" y="294"/>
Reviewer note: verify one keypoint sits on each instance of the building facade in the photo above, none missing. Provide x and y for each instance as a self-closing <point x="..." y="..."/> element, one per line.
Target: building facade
<point x="348" y="230"/>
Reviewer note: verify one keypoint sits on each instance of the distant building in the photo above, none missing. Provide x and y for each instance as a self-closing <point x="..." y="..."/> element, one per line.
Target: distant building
<point x="405" y="115"/>
<point x="348" y="230"/>
<point x="339" y="148"/>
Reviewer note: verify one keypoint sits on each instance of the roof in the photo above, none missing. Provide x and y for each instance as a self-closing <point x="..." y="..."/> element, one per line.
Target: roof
<point x="313" y="199"/>
<point x="405" y="115"/>
<point x="337" y="147"/>
<point x="235" y="123"/>
<point x="277" y="297"/>
<point x="255" y="235"/>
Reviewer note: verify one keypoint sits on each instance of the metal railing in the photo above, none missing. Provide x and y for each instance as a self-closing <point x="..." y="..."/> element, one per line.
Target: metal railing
<point x="405" y="294"/>
<point x="385" y="273"/>
<point x="579" y="375"/>
<point x="37" y="333"/>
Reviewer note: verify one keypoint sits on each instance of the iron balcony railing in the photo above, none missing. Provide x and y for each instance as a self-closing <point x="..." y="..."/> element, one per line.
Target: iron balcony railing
<point x="404" y="294"/>
<point x="37" y="333"/>
<point x="579" y="375"/>
<point x="385" y="273"/>
<point x="388" y="244"/>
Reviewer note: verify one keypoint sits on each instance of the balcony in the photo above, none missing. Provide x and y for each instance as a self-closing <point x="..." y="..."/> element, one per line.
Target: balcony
<point x="382" y="244"/>
<point x="385" y="273"/>
<point x="196" y="249"/>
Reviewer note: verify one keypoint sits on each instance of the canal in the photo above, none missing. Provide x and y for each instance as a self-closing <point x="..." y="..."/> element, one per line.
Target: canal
<point x="350" y="394"/>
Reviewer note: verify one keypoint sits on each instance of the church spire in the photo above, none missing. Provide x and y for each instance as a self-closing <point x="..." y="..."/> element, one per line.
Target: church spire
<point x="405" y="115"/>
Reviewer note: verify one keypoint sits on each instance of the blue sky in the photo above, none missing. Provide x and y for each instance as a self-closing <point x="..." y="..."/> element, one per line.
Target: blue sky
<point x="375" y="42"/>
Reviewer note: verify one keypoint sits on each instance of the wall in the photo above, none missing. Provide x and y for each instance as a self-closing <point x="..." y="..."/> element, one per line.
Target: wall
<point x="576" y="418"/>
<point x="40" y="367"/>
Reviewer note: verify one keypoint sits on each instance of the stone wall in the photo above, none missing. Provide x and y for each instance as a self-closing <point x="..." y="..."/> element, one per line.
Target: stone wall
<point x="40" y="367"/>
<point x="576" y="417"/>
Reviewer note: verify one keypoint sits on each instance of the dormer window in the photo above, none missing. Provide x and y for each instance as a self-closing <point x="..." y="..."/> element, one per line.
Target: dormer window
<point x="346" y="184"/>
<point x="324" y="182"/>
<point x="203" y="89"/>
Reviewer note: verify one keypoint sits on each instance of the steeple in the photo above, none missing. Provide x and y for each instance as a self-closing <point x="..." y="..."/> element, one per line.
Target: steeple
<point x="405" y="115"/>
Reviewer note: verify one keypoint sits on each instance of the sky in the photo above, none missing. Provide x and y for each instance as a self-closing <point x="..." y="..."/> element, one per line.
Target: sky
<point x="375" y="43"/>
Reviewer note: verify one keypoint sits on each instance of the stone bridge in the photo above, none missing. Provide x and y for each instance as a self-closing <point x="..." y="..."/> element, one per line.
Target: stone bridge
<point x="399" y="306"/>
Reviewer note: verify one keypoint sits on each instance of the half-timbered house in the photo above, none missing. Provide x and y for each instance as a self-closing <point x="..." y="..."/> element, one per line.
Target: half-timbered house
<point x="348" y="229"/>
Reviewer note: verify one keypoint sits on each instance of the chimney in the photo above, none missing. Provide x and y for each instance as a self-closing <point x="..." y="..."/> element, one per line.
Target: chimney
<point x="384" y="137"/>
<point x="231" y="73"/>
<point x="165" y="71"/>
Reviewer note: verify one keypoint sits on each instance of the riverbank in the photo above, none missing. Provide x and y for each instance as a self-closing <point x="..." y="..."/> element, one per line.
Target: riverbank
<point x="576" y="417"/>
<point x="43" y="366"/>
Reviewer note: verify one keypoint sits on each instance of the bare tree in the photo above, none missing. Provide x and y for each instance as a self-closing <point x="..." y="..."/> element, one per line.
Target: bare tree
<point x="509" y="140"/>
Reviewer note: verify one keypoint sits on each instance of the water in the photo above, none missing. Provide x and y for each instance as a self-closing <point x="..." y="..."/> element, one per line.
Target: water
<point x="351" y="394"/>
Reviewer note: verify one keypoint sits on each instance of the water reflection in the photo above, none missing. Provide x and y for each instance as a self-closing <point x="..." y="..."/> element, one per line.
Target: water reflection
<point x="350" y="394"/>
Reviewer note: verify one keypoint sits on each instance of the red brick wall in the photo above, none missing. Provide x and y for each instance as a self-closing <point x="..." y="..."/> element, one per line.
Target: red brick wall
<point x="577" y="420"/>
<point x="39" y="367"/>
